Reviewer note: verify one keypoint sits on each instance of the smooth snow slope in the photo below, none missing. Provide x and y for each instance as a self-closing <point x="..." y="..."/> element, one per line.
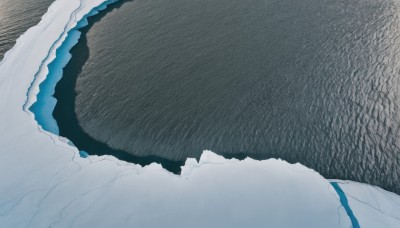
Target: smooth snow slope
<point x="45" y="183"/>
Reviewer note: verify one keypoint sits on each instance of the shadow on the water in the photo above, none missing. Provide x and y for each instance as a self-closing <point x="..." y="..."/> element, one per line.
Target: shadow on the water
<point x="301" y="100"/>
<point x="64" y="111"/>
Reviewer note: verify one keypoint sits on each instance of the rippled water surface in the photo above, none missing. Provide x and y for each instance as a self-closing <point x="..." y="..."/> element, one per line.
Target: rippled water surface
<point x="16" y="16"/>
<point x="310" y="81"/>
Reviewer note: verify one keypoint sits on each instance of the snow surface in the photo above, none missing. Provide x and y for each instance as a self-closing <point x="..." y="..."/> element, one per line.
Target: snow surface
<point x="44" y="181"/>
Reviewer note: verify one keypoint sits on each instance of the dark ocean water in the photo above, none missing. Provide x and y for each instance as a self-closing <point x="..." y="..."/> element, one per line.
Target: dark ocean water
<point x="310" y="81"/>
<point x="16" y="16"/>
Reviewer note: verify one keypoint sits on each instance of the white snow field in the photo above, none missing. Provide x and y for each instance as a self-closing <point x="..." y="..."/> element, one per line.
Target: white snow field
<point x="45" y="183"/>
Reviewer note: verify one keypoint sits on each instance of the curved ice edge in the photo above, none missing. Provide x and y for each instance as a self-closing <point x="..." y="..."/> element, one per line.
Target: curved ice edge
<point x="69" y="35"/>
<point x="190" y="166"/>
<point x="18" y="41"/>
<point x="42" y="105"/>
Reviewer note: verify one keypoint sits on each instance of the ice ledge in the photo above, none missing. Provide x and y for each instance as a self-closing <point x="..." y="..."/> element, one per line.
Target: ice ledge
<point x="46" y="183"/>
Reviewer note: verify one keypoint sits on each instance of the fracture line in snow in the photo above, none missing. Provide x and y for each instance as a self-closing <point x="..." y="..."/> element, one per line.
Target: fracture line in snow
<point x="345" y="204"/>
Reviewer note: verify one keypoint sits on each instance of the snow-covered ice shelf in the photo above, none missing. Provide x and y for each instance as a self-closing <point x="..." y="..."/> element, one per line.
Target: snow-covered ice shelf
<point x="44" y="181"/>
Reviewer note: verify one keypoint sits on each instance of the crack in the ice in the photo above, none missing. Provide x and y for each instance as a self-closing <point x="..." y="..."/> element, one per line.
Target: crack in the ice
<point x="345" y="203"/>
<point x="19" y="201"/>
<point x="26" y="194"/>
<point x="339" y="215"/>
<point x="387" y="196"/>
<point x="110" y="184"/>
<point x="86" y="193"/>
<point x="49" y="191"/>
<point x="377" y="209"/>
